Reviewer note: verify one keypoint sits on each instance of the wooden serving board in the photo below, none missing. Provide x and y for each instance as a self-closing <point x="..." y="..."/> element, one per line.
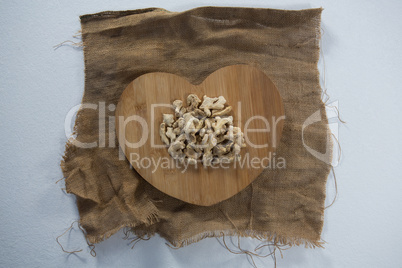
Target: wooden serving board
<point x="250" y="93"/>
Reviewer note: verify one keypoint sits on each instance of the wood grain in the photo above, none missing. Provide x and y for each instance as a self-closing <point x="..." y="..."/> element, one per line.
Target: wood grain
<point x="248" y="90"/>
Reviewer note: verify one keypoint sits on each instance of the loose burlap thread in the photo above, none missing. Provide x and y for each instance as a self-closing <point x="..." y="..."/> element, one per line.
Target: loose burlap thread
<point x="283" y="205"/>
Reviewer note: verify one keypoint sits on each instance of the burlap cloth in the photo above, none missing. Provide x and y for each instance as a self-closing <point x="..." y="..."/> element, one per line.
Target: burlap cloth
<point x="285" y="205"/>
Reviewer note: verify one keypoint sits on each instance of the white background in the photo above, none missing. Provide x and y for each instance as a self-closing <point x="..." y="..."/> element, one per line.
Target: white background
<point x="39" y="85"/>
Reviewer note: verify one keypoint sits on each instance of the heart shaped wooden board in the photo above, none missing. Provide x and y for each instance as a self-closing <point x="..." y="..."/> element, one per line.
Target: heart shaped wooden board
<point x="257" y="110"/>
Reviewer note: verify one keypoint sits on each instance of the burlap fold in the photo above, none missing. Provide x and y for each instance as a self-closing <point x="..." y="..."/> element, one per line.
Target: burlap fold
<point x="286" y="205"/>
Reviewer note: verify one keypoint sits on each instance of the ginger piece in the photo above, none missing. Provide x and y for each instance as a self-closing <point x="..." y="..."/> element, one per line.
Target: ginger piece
<point x="170" y="134"/>
<point x="168" y="119"/>
<point x="162" y="133"/>
<point x="178" y="108"/>
<point x="212" y="104"/>
<point x="225" y="111"/>
<point x="192" y="102"/>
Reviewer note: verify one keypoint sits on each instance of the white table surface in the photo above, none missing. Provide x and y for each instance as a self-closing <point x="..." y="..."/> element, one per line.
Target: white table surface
<point x="39" y="85"/>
